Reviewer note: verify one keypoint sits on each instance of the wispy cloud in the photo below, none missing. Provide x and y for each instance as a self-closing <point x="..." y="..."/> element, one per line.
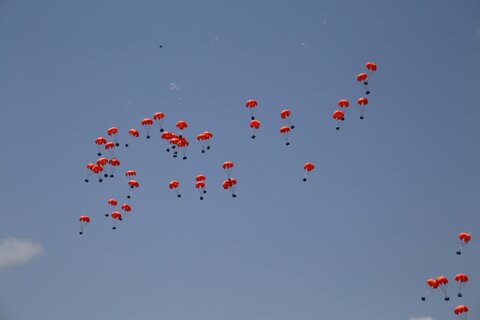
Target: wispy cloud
<point x="421" y="318"/>
<point x="15" y="252"/>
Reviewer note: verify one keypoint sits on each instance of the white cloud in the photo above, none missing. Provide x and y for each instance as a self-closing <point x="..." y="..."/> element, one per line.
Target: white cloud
<point x="14" y="252"/>
<point x="421" y="318"/>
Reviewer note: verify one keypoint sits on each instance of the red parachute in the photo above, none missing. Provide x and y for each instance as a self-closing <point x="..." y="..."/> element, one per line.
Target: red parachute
<point x="98" y="171"/>
<point x="204" y="138"/>
<point x="173" y="185"/>
<point x="254" y="126"/>
<point x="200" y="177"/>
<point x="338" y="116"/>
<point x="132" y="134"/>
<point x="461" y="311"/>
<point x="200" y="186"/>
<point x="181" y="125"/>
<point x="230" y="184"/>
<point x="432" y="285"/>
<point x="126" y="207"/>
<point x="147" y="124"/>
<point x="113" y="132"/>
<point x="371" y="67"/>
<point x="228" y="167"/>
<point x="344" y="104"/>
<point x="286" y="115"/>
<point x="158" y="117"/>
<point x="100" y="141"/>
<point x="103" y="162"/>
<point x="110" y="147"/>
<point x="133" y="185"/>
<point x="442" y="284"/>
<point x="362" y="79"/>
<point x="111" y="202"/>
<point x="462" y="280"/>
<point x="130" y="173"/>
<point x="167" y="135"/>
<point x="114" y="163"/>
<point x="89" y="167"/>
<point x="362" y="102"/>
<point x="116" y="216"/>
<point x="464" y="240"/>
<point x="83" y="223"/>
<point x="285" y="132"/>
<point x="182" y="145"/>
<point x="251" y="106"/>
<point x="308" y="167"/>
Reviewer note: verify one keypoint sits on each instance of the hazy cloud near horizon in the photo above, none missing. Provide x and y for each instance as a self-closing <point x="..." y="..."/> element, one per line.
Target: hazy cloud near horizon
<point x="15" y="252"/>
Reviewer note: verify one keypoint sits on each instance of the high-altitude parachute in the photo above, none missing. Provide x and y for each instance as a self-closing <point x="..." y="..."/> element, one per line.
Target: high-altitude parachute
<point x="200" y="186"/>
<point x="228" y="167"/>
<point x="83" y="222"/>
<point x="114" y="163"/>
<point x="103" y="162"/>
<point x="254" y="126"/>
<point x="158" y="117"/>
<point x="200" y="177"/>
<point x="285" y="132"/>
<point x="251" y="106"/>
<point x="100" y="141"/>
<point x="147" y="124"/>
<point x="461" y="280"/>
<point x="362" y="79"/>
<point x="132" y="134"/>
<point x="110" y="147"/>
<point x="116" y="216"/>
<point x="371" y="67"/>
<point x="338" y="116"/>
<point x="126" y="207"/>
<point x="230" y="184"/>
<point x="133" y="184"/>
<point x="442" y="284"/>
<point x="112" y="203"/>
<point x="461" y="311"/>
<point x="464" y="240"/>
<point x="286" y="115"/>
<point x="130" y="173"/>
<point x="181" y="125"/>
<point x="308" y="167"/>
<point x="173" y="185"/>
<point x="167" y="135"/>
<point x="432" y="285"/>
<point x="362" y="103"/>
<point x="344" y="104"/>
<point x="89" y="167"/>
<point x="204" y="139"/>
<point x="113" y="132"/>
<point x="182" y="145"/>
<point x="98" y="171"/>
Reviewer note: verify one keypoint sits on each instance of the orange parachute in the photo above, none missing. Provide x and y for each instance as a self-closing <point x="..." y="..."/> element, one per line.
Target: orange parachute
<point x="285" y="132"/>
<point x="147" y="124"/>
<point x="286" y="115"/>
<point x="114" y="163"/>
<point x="442" y="284"/>
<point x="362" y="102"/>
<point x="158" y="117"/>
<point x="130" y="173"/>
<point x="133" y="184"/>
<point x="362" y="79"/>
<point x="338" y="116"/>
<point x="132" y="134"/>
<point x="99" y="142"/>
<point x="113" y="132"/>
<point x="116" y="216"/>
<point x="83" y="223"/>
<point x="461" y="311"/>
<point x="308" y="167"/>
<point x="461" y="280"/>
<point x="230" y="184"/>
<point x="251" y="105"/>
<point x="113" y="203"/>
<point x="432" y="285"/>
<point x="110" y="147"/>
<point x="228" y="167"/>
<point x="254" y="126"/>
<point x="464" y="240"/>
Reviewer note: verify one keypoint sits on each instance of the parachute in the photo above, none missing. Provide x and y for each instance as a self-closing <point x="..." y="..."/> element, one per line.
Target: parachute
<point x="461" y="280"/>
<point x="126" y="207"/>
<point x="130" y="173"/>
<point x="133" y="185"/>
<point x="84" y="220"/>
<point x="167" y="135"/>
<point x="181" y="125"/>
<point x="285" y="114"/>
<point x="442" y="284"/>
<point x="182" y="145"/>
<point x="308" y="167"/>
<point x="173" y="185"/>
<point x="116" y="216"/>
<point x="100" y="141"/>
<point x="110" y="147"/>
<point x="103" y="162"/>
<point x="464" y="240"/>
<point x="338" y="116"/>
<point x="204" y="138"/>
<point x="285" y="132"/>
<point x="89" y="167"/>
<point x="344" y="104"/>
<point x="461" y="311"/>
<point x="98" y="171"/>
<point x="111" y="202"/>
<point x="158" y="117"/>
<point x="114" y="163"/>
<point x="200" y="177"/>
<point x="254" y="126"/>
<point x="132" y="134"/>
<point x="228" y="167"/>
<point x="432" y="285"/>
<point x="147" y="124"/>
<point x="362" y="79"/>
<point x="113" y="132"/>
<point x="362" y="102"/>
<point x="251" y="105"/>
<point x="200" y="186"/>
<point x="230" y="184"/>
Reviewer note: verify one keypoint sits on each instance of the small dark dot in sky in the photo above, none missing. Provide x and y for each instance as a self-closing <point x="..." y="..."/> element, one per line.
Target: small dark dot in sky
<point x="160" y="46"/>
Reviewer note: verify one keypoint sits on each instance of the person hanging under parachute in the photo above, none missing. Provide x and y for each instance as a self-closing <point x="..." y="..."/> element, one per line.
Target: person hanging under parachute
<point x="132" y="134"/>
<point x="182" y="146"/>
<point x="89" y="167"/>
<point x="114" y="163"/>
<point x="116" y="216"/>
<point x="443" y="285"/>
<point x="285" y="132"/>
<point x="338" y="116"/>
<point x="158" y="117"/>
<point x="230" y="184"/>
<point x="251" y="106"/>
<point x="464" y="240"/>
<point x="462" y="280"/>
<point x="432" y="285"/>
<point x="84" y="220"/>
<point x="200" y="186"/>
<point x="343" y="104"/>
<point x="103" y="162"/>
<point x="100" y="142"/>
<point x="286" y="115"/>
<point x="167" y="135"/>
<point x="113" y="132"/>
<point x="174" y="185"/>
<point x="362" y="79"/>
<point x="254" y="126"/>
<point x="147" y="125"/>
<point x="461" y="311"/>
<point x="308" y="168"/>
<point x="110" y="147"/>
<point x="181" y="125"/>
<point x="362" y="103"/>
<point x="228" y="168"/>
<point x="133" y="184"/>
<point x="111" y="203"/>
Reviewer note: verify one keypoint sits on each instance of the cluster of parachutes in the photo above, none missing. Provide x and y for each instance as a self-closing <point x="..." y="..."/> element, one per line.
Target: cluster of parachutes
<point x="442" y="282"/>
<point x="362" y="102"/>
<point x="107" y="162"/>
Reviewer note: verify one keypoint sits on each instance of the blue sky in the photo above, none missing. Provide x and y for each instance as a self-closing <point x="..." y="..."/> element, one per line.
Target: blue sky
<point x="379" y="215"/>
